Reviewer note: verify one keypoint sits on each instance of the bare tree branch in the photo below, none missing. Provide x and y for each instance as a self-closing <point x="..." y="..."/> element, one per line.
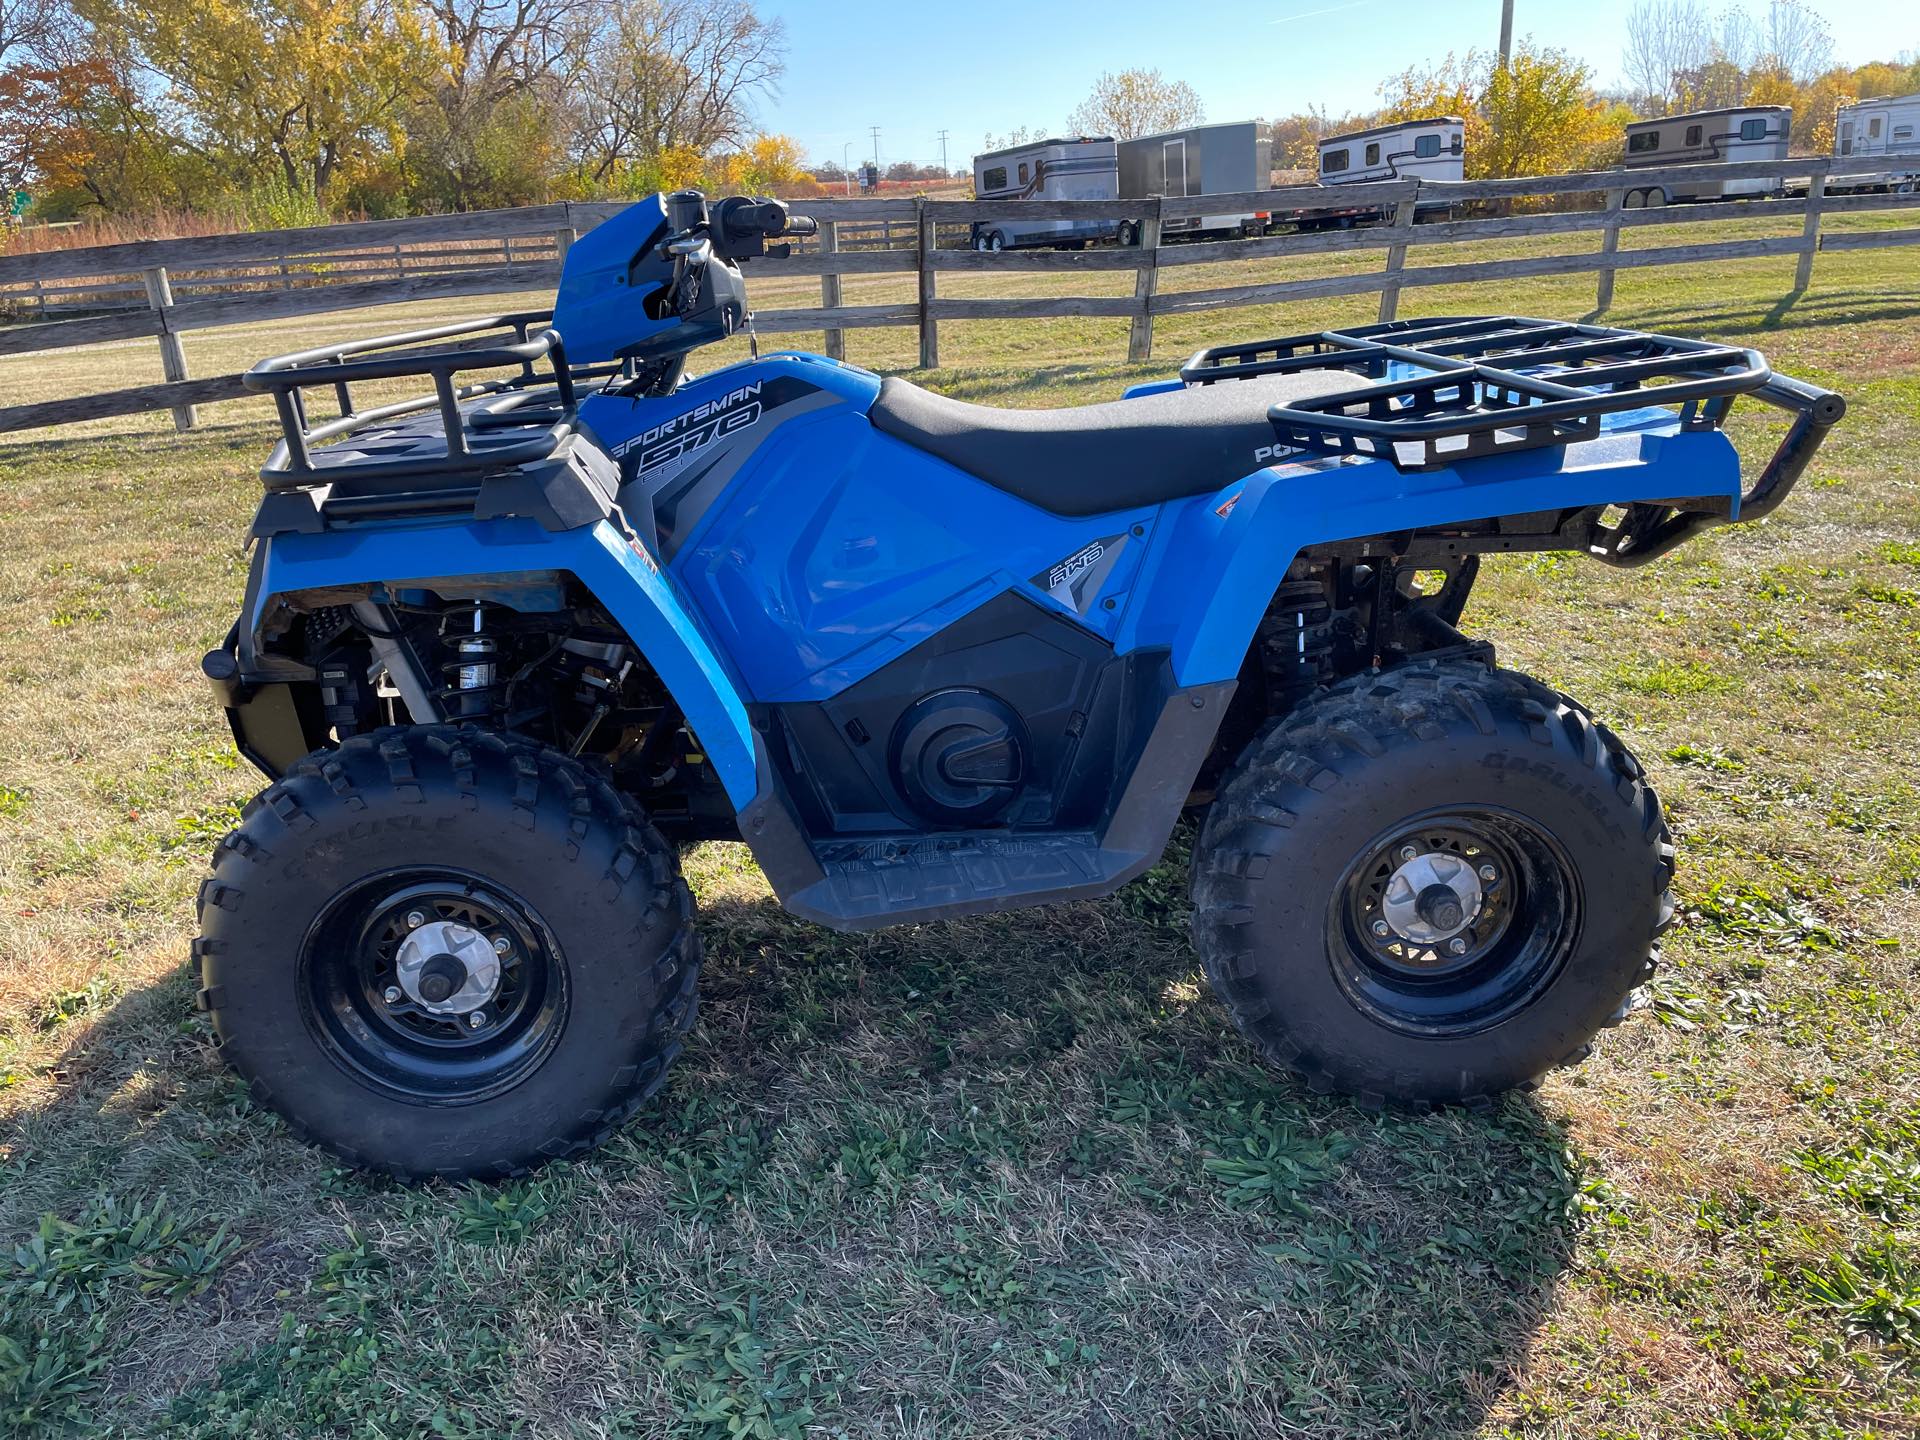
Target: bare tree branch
<point x="673" y="74"/>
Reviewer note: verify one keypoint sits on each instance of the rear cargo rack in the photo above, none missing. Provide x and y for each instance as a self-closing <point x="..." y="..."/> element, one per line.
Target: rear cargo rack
<point x="530" y="422"/>
<point x="1463" y="388"/>
<point x="1431" y="393"/>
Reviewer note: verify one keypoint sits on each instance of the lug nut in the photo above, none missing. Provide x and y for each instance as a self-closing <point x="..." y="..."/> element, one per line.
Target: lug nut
<point x="391" y="994"/>
<point x="1488" y="873"/>
<point x="415" y="919"/>
<point x="1457" y="945"/>
<point x="1409" y="852"/>
<point x="501" y="945"/>
<point x="1382" y="929"/>
<point x="476" y="1020"/>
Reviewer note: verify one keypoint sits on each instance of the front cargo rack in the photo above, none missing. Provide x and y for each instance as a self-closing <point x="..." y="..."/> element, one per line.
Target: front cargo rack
<point x="529" y="418"/>
<point x="1431" y="393"/>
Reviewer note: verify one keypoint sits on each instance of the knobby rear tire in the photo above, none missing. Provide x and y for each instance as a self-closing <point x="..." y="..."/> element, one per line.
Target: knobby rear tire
<point x="1299" y="804"/>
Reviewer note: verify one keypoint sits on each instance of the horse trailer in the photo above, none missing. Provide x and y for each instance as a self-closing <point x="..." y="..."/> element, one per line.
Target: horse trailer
<point x="1886" y="125"/>
<point x="1200" y="160"/>
<point x="1706" y="137"/>
<point x="1430" y="149"/>
<point x="1082" y="168"/>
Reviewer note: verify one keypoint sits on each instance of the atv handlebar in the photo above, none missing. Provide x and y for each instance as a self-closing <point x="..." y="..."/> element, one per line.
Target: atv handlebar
<point x="741" y="225"/>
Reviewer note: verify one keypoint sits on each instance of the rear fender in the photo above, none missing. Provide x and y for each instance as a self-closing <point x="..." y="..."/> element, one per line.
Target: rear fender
<point x="622" y="576"/>
<point x="1213" y="570"/>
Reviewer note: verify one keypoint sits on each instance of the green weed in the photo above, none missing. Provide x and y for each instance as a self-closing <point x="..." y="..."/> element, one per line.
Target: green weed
<point x="1672" y="677"/>
<point x="1271" y="1164"/>
<point x="1875" y="1290"/>
<point x="731" y="1384"/>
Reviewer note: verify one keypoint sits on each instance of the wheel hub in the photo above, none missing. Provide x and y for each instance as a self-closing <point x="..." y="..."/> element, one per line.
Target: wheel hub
<point x="448" y="968"/>
<point x="1431" y="897"/>
<point x="1454" y="920"/>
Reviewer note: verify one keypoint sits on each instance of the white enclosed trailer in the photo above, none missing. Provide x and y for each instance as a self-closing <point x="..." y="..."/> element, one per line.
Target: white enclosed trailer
<point x="1886" y="125"/>
<point x="1082" y="168"/>
<point x="1706" y="137"/>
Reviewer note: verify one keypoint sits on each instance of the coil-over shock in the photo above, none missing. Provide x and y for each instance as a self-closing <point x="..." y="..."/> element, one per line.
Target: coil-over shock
<point x="1294" y="643"/>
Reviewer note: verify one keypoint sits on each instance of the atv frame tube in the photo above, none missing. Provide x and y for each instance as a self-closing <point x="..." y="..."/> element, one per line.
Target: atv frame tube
<point x="1815" y="412"/>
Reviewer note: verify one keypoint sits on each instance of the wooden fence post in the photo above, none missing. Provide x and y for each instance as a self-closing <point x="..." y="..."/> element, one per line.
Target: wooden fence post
<point x="830" y="295"/>
<point x="1146" y="285"/>
<point x="1403" y="214"/>
<point x="1609" y="247"/>
<point x="1810" y="236"/>
<point x="563" y="239"/>
<point x="173" y="355"/>
<point x="929" y="327"/>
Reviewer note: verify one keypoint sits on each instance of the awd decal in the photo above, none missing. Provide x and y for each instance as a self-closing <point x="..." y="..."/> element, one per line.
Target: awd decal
<point x="1075" y="581"/>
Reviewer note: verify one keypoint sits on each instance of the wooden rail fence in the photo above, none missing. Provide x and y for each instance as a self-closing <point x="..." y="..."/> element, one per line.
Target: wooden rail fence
<point x="165" y="289"/>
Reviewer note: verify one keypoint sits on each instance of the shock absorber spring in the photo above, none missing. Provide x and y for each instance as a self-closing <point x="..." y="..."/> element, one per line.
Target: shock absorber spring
<point x="474" y="669"/>
<point x="1296" y="643"/>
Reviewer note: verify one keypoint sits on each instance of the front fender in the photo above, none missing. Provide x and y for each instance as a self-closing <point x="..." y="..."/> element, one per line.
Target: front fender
<point x="621" y="575"/>
<point x="1215" y="568"/>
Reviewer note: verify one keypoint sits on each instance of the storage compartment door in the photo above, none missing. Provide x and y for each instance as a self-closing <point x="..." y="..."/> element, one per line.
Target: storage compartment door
<point x="1174" y="157"/>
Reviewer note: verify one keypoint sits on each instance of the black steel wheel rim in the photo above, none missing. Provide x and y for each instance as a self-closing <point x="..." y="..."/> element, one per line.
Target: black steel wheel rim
<point x="348" y="971"/>
<point x="1515" y="943"/>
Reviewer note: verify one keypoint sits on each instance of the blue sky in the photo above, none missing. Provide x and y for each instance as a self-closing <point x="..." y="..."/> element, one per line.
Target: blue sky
<point x="915" y="69"/>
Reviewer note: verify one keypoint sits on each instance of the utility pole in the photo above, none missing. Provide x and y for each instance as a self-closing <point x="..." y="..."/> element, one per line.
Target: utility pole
<point x="1506" y="32"/>
<point x="846" y="165"/>
<point x="943" y="151"/>
<point x="876" y="145"/>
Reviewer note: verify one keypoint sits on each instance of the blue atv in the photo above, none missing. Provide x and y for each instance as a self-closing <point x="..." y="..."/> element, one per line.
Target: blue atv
<point x="508" y="644"/>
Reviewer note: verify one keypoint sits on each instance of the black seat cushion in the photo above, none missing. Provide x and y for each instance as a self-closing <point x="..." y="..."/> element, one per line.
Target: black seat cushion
<point x="1112" y="456"/>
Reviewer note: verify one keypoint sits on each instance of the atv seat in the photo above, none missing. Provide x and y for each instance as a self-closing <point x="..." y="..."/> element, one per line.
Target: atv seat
<point x="1112" y="456"/>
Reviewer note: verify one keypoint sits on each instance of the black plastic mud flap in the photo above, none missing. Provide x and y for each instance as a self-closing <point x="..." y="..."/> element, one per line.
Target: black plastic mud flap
<point x="273" y="721"/>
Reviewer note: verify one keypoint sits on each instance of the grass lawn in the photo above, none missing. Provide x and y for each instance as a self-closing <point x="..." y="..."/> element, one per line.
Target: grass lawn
<point x="1017" y="1175"/>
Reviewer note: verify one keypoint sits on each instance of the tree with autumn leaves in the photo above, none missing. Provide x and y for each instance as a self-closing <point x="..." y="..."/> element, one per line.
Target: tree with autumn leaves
<point x="291" y="110"/>
<point x="1538" y="114"/>
<point x="1535" y="115"/>
<point x="311" y="91"/>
